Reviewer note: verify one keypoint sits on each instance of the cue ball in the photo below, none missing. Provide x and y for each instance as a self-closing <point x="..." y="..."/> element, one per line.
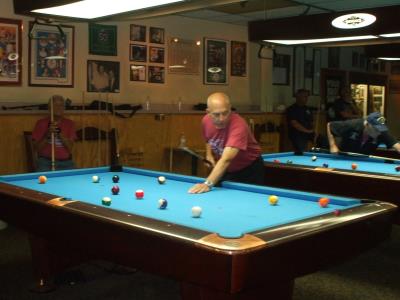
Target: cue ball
<point x="115" y="178"/>
<point x="106" y="201"/>
<point x="95" y="179"/>
<point x="115" y="190"/>
<point x="196" y="211"/>
<point x="273" y="200"/>
<point x="397" y="169"/>
<point x="42" y="179"/>
<point x="314" y="158"/>
<point x="354" y="166"/>
<point x="162" y="203"/>
<point x="139" y="194"/>
<point x="323" y="202"/>
<point x="161" y="179"/>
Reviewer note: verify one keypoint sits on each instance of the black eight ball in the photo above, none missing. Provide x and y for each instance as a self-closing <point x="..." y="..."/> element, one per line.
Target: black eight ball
<point x="115" y="178"/>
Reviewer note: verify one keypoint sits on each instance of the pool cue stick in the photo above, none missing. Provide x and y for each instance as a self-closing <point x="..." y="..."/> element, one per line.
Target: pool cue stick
<point x="171" y="149"/>
<point x="193" y="153"/>
<point x="114" y="161"/>
<point x="53" y="157"/>
<point x="107" y="156"/>
<point x="354" y="154"/>
<point x="317" y="121"/>
<point x="98" y="131"/>
<point x="83" y="122"/>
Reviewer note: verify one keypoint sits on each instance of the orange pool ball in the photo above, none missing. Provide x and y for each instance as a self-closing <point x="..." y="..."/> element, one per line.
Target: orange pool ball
<point x="354" y="166"/>
<point x="323" y="202"/>
<point x="273" y="200"/>
<point x="42" y="179"/>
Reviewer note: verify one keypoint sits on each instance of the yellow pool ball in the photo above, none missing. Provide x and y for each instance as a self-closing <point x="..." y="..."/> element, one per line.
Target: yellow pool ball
<point x="273" y="200"/>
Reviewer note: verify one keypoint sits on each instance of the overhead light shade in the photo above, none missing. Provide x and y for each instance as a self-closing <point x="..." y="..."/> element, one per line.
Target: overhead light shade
<point x="389" y="58"/>
<point x="353" y="21"/>
<point x="91" y="9"/>
<point x="316" y="41"/>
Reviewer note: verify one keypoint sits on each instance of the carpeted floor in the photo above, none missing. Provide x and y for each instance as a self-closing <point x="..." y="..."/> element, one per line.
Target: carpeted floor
<point x="375" y="275"/>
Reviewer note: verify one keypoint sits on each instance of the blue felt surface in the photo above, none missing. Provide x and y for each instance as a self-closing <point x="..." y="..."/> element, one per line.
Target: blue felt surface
<point x="230" y="211"/>
<point x="336" y="162"/>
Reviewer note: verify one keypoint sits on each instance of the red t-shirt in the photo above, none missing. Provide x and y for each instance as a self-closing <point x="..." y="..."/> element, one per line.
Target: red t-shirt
<point x="236" y="134"/>
<point x="68" y="130"/>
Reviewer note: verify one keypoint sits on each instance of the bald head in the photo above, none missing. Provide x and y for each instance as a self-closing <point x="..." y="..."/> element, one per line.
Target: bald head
<point x="219" y="109"/>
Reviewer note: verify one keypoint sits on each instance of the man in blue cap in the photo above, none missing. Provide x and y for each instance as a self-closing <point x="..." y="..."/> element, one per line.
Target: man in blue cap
<point x="360" y="135"/>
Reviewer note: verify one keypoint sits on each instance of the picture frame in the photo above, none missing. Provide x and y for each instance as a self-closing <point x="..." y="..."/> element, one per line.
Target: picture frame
<point x="137" y="73"/>
<point x="238" y="58"/>
<point x="157" y="35"/>
<point x="281" y="69"/>
<point x="215" y="61"/>
<point x="102" y="39"/>
<point x="11" y="49"/>
<point x="156" y="74"/>
<point x="184" y="56"/>
<point x="137" y="33"/>
<point x="103" y="76"/>
<point x="156" y="54"/>
<point x="51" y="55"/>
<point x="138" y="52"/>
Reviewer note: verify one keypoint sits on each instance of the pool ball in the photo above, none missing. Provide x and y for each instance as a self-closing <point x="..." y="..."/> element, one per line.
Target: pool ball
<point x="115" y="178"/>
<point x="115" y="190"/>
<point x="289" y="162"/>
<point x="273" y="200"/>
<point x="42" y="179"/>
<point x="397" y="169"/>
<point x="313" y="158"/>
<point x="139" y="194"/>
<point x="196" y="211"/>
<point x="161" y="179"/>
<point x="323" y="202"/>
<point x="354" y="166"/>
<point x="277" y="161"/>
<point x="337" y="212"/>
<point x="106" y="201"/>
<point x="162" y="203"/>
<point x="325" y="165"/>
<point x="96" y="179"/>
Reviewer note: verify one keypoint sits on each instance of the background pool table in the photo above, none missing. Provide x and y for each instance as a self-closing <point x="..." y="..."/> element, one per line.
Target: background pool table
<point x="240" y="248"/>
<point x="373" y="179"/>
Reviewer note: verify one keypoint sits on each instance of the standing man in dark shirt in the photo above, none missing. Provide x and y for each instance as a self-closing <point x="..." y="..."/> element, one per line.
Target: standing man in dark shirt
<point x="300" y="121"/>
<point x="360" y="135"/>
<point x="344" y="107"/>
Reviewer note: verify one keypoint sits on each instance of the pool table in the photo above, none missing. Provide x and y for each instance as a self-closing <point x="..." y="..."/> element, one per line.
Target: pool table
<point x="373" y="178"/>
<point x="382" y="150"/>
<point x="241" y="247"/>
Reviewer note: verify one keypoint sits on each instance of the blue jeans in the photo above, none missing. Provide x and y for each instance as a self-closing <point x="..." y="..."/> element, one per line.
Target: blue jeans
<point x="44" y="164"/>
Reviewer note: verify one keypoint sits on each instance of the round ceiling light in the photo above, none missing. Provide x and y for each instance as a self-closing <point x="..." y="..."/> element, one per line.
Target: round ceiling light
<point x="353" y="21"/>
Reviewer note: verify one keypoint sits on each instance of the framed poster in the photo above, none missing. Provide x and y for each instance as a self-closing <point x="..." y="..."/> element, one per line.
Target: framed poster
<point x="281" y="69"/>
<point x="238" y="58"/>
<point x="137" y="73"/>
<point x="215" y="61"/>
<point x="102" y="76"/>
<point x="184" y="56"/>
<point x="156" y="55"/>
<point x="156" y="74"/>
<point x="138" y="33"/>
<point x="137" y="52"/>
<point x="103" y="39"/>
<point x="10" y="49"/>
<point x="51" y="55"/>
<point x="157" y="35"/>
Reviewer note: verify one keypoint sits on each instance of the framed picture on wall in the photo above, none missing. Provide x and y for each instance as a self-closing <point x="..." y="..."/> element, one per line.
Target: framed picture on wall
<point x="238" y="58"/>
<point x="157" y="35"/>
<point x="137" y="73"/>
<point x="281" y="69"/>
<point x="102" y="39"/>
<point x="102" y="76"/>
<point x="138" y="52"/>
<point x="137" y="33"/>
<point x="156" y="54"/>
<point x="215" y="61"/>
<point x="156" y="74"/>
<point x="51" y="55"/>
<point x="10" y="48"/>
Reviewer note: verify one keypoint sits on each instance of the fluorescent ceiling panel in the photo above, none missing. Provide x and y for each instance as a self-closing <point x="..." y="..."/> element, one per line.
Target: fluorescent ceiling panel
<point x="328" y="40"/>
<point x="91" y="9"/>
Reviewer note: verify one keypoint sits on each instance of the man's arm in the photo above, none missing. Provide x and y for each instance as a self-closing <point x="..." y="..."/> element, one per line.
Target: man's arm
<point x="209" y="155"/>
<point x="333" y="148"/>
<point x="300" y="127"/>
<point x="396" y="147"/>
<point x="223" y="163"/>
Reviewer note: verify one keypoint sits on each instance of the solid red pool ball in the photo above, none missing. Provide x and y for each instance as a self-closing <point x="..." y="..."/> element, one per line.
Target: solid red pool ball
<point x="139" y="194"/>
<point x="277" y="161"/>
<point x="115" y="189"/>
<point x="42" y="179"/>
<point x="397" y="169"/>
<point x="337" y="212"/>
<point x="354" y="166"/>
<point x="115" y="178"/>
<point x="323" y="202"/>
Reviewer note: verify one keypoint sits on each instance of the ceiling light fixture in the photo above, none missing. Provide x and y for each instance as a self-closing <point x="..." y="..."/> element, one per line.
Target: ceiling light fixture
<point x="389" y="58"/>
<point x="91" y="9"/>
<point x="390" y="35"/>
<point x="353" y="21"/>
<point x="315" y="41"/>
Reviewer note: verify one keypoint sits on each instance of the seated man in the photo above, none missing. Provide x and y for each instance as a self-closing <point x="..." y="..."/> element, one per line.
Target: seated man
<point x="360" y="135"/>
<point x="64" y="136"/>
<point x="231" y="147"/>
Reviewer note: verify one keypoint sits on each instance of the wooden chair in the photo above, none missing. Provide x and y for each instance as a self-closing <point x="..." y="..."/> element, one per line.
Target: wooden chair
<point x="31" y="153"/>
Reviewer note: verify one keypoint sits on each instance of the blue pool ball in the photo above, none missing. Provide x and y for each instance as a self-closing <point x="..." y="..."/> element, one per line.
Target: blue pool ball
<point x="325" y="165"/>
<point x="162" y="203"/>
<point x="314" y="158"/>
<point x="115" y="178"/>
